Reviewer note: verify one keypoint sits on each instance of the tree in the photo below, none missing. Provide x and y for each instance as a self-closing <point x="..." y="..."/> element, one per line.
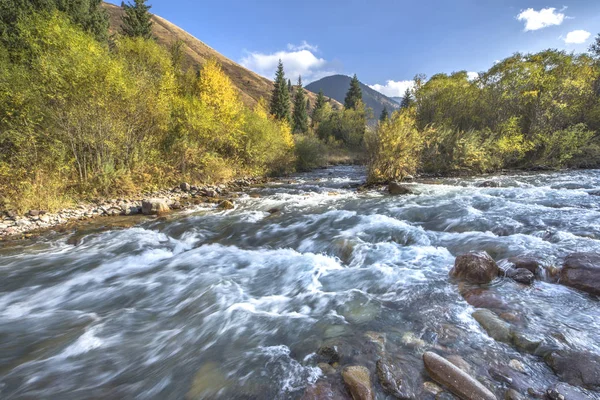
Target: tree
<point x="300" y="116"/>
<point x="137" y="20"/>
<point x="595" y="48"/>
<point x="406" y="99"/>
<point x="289" y="85"/>
<point x="319" y="113"/>
<point x="384" y="115"/>
<point x="280" y="100"/>
<point x="354" y="95"/>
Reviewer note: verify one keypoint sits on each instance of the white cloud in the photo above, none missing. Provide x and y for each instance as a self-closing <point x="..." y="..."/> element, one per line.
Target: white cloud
<point x="393" y="88"/>
<point x="472" y="75"/>
<point x="577" y="37"/>
<point x="297" y="60"/>
<point x="535" y="20"/>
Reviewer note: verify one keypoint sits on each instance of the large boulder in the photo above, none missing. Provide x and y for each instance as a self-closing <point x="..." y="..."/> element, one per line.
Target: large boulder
<point x="582" y="271"/>
<point x="576" y="368"/>
<point x="155" y="207"/>
<point x="394" y="188"/>
<point x="475" y="267"/>
<point x="358" y="382"/>
<point x="455" y="379"/>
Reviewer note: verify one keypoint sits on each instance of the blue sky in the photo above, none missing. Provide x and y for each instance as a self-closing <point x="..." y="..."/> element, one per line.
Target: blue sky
<point x="385" y="42"/>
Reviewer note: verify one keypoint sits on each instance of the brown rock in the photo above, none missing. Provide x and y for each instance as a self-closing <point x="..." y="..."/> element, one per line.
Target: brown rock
<point x="582" y="271"/>
<point x="155" y="207"/>
<point x="576" y="368"/>
<point x="226" y="205"/>
<point x="324" y="390"/>
<point x="475" y="267"/>
<point x="394" y="188"/>
<point x="393" y="379"/>
<point x="455" y="379"/>
<point x="529" y="263"/>
<point x="358" y="382"/>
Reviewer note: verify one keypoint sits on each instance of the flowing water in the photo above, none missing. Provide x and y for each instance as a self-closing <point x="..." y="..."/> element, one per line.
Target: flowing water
<point x="234" y="304"/>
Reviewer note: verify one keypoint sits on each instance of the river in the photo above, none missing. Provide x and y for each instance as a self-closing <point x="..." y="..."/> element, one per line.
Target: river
<point x="235" y="304"/>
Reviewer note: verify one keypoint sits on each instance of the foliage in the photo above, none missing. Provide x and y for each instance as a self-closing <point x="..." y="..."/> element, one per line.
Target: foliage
<point x="384" y="115"/>
<point x="300" y="115"/>
<point x="137" y="20"/>
<point x="321" y="110"/>
<point x="347" y="126"/>
<point x="406" y="99"/>
<point x="354" y="96"/>
<point x="310" y="152"/>
<point x="280" y="100"/>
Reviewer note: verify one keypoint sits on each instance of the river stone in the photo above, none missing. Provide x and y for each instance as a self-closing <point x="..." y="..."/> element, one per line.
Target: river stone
<point x="226" y="205"/>
<point x="323" y="390"/>
<point x="475" y="267"/>
<point x="185" y="187"/>
<point x="529" y="263"/>
<point x="521" y="275"/>
<point x="489" y="184"/>
<point x="209" y="382"/>
<point x="155" y="207"/>
<point x="582" y="271"/>
<point x="493" y="325"/>
<point x="358" y="382"/>
<point x="394" y="188"/>
<point x="512" y="394"/>
<point x="568" y="392"/>
<point x="483" y="298"/>
<point x="455" y="379"/>
<point x="394" y="379"/>
<point x="576" y="368"/>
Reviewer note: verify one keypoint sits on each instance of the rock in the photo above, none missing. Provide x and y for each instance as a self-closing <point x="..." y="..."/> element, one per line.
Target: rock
<point x="378" y="339"/>
<point x="455" y="379"/>
<point x="493" y="325"/>
<point x="358" y="382"/>
<point x="489" y="184"/>
<point x="553" y="394"/>
<point x="11" y="214"/>
<point x="582" y="271"/>
<point x="408" y="178"/>
<point x="33" y="213"/>
<point x="517" y="365"/>
<point x="393" y="379"/>
<point x="521" y="275"/>
<point x="185" y="187"/>
<point x="208" y="382"/>
<point x="484" y="298"/>
<point x="155" y="207"/>
<point x="329" y="353"/>
<point x="323" y="390"/>
<point x="326" y="368"/>
<point x="475" y="267"/>
<point x="226" y="205"/>
<point x="394" y="188"/>
<point x="530" y="264"/>
<point x="254" y="196"/>
<point x="274" y="211"/>
<point x="512" y="394"/>
<point x="576" y="368"/>
<point x="176" y="205"/>
<point x="568" y="392"/>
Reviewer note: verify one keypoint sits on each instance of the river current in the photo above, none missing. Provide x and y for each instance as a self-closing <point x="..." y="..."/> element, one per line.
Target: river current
<point x="235" y="304"/>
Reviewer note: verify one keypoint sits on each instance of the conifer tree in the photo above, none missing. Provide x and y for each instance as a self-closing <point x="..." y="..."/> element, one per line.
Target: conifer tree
<point x="137" y="20"/>
<point x="354" y="95"/>
<point x="384" y="115"/>
<point x="280" y="100"/>
<point x="300" y="112"/>
<point x="307" y="105"/>
<point x="321" y="101"/>
<point x="595" y="48"/>
<point x="406" y="99"/>
<point x="290" y="86"/>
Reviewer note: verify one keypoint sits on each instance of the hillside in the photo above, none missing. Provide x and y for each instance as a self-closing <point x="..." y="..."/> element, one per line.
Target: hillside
<point x="250" y="85"/>
<point x="336" y="86"/>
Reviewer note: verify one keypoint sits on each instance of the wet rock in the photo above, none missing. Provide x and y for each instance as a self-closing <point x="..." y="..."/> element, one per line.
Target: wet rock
<point x="582" y="271"/>
<point x="378" y="339"/>
<point x="517" y="365"/>
<point x="576" y="368"/>
<point x="327" y="369"/>
<point x="360" y="311"/>
<point x="358" y="382"/>
<point x="226" y="205"/>
<point x="209" y="382"/>
<point x="530" y="264"/>
<point x="254" y="196"/>
<point x="493" y="325"/>
<point x="185" y="187"/>
<point x="455" y="379"/>
<point x="525" y="343"/>
<point x="553" y="394"/>
<point x="408" y="178"/>
<point x="475" y="267"/>
<point x="483" y="298"/>
<point x="459" y="362"/>
<point x="568" y="392"/>
<point x="329" y="353"/>
<point x="393" y="379"/>
<point x="274" y="211"/>
<point x="512" y="394"/>
<point x="489" y="184"/>
<point x="521" y="275"/>
<point x="394" y="188"/>
<point x="324" y="390"/>
<point x="155" y="207"/>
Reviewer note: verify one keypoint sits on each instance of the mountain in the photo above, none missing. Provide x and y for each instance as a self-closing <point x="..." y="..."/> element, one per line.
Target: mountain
<point x="336" y="86"/>
<point x="250" y="85"/>
<point x="397" y="99"/>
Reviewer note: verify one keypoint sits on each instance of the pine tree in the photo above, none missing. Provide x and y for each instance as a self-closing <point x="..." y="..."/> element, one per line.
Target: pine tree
<point x="406" y="99"/>
<point x="137" y="20"/>
<point x="384" y="115"/>
<point x="595" y="47"/>
<point x="290" y="86"/>
<point x="354" y="95"/>
<point x="307" y="105"/>
<point x="321" y="101"/>
<point x="280" y="100"/>
<point x="300" y="113"/>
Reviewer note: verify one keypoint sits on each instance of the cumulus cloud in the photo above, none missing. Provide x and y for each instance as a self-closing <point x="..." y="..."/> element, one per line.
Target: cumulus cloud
<point x="297" y="60"/>
<point x="577" y="37"/>
<point x="393" y="88"/>
<point x="535" y="20"/>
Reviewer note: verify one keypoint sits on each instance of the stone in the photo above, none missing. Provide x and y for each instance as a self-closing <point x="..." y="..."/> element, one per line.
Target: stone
<point x="226" y="205"/>
<point x="475" y="267"/>
<point x="155" y="207"/>
<point x="489" y="184"/>
<point x="393" y="379"/>
<point x="326" y="368"/>
<point x="176" y="205"/>
<point x="512" y="394"/>
<point x="185" y="187"/>
<point x="358" y="382"/>
<point x="455" y="379"/>
<point x="521" y="275"/>
<point x="329" y="353"/>
<point x="553" y="394"/>
<point x="568" y="392"/>
<point x="577" y="368"/>
<point x="33" y="213"/>
<point x="495" y="327"/>
<point x="484" y="298"/>
<point x="517" y="365"/>
<point x="529" y="263"/>
<point x="208" y="382"/>
<point x="323" y="390"/>
<point x="394" y="188"/>
<point x="582" y="271"/>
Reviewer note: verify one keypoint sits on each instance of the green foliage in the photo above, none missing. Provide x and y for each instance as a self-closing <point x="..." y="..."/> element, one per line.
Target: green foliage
<point x="280" y="99"/>
<point x="384" y="115"/>
<point x="407" y="99"/>
<point x="347" y="126"/>
<point x="595" y="47"/>
<point x="321" y="111"/>
<point x="137" y="20"/>
<point x="300" y="115"/>
<point x="354" y="96"/>
<point x="310" y="152"/>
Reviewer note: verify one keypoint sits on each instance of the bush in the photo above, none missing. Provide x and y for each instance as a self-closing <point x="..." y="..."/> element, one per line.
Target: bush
<point x="310" y="152"/>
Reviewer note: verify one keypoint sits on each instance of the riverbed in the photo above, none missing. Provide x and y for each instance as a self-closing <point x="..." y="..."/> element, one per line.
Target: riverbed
<point x="235" y="304"/>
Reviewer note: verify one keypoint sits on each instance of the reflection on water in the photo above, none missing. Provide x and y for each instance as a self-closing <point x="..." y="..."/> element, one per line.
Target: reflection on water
<point x="235" y="304"/>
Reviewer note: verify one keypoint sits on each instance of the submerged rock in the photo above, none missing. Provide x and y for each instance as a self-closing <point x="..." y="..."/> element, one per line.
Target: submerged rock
<point x="493" y="325"/>
<point x="475" y="267"/>
<point x="489" y="184"/>
<point x="576" y="368"/>
<point x="358" y="382"/>
<point x="529" y="263"/>
<point x="455" y="379"/>
<point x="324" y="390"/>
<point x="394" y="379"/>
<point x="521" y="275"/>
<point x="155" y="207"/>
<point x="226" y="205"/>
<point x="394" y="188"/>
<point x="582" y="271"/>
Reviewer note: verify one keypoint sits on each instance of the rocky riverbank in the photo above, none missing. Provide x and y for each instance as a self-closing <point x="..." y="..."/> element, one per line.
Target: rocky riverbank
<point x="14" y="226"/>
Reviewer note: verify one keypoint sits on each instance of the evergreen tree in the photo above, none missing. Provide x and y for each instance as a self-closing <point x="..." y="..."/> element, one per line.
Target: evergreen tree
<point x="354" y="95"/>
<point x="595" y="48"/>
<point x="307" y="105"/>
<point x="406" y="99"/>
<point x="300" y="112"/>
<point x="280" y="100"/>
<point x="137" y="20"/>
<point x="320" y="103"/>
<point x="384" y="115"/>
<point x="290" y="86"/>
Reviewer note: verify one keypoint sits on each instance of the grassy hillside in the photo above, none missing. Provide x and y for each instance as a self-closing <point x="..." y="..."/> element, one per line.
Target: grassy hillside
<point x="250" y="85"/>
<point x="336" y="86"/>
